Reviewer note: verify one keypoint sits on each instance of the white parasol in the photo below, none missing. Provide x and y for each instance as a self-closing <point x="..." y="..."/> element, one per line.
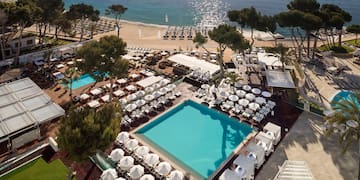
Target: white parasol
<point x="266" y="94"/>
<point x="156" y="94"/>
<point x="243" y="102"/>
<point x="122" y="137"/>
<point x="171" y="86"/>
<point x="205" y="86"/>
<point x="240" y="93"/>
<point x="260" y="100"/>
<point x="109" y="174"/>
<point x="140" y="93"/>
<point x="126" y="162"/>
<point x="136" y="171"/>
<point x="176" y="175"/>
<point x="149" y="97"/>
<point x="130" y="107"/>
<point x="233" y="98"/>
<point x="149" y="89"/>
<point x="250" y="96"/>
<point x="117" y="154"/>
<point x="140" y="102"/>
<point x="131" y="97"/>
<point x="163" y="168"/>
<point x="132" y="144"/>
<point x="130" y="88"/>
<point x="151" y="159"/>
<point x="142" y="151"/>
<point x="246" y="87"/>
<point x="256" y="90"/>
<point x="254" y="106"/>
<point x="147" y="177"/>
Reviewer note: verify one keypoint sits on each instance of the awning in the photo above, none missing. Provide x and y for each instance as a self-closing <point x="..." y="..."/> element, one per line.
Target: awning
<point x="279" y="79"/>
<point x="149" y="81"/>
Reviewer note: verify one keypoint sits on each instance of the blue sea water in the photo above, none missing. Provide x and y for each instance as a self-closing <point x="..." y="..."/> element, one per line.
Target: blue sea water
<point x="188" y="12"/>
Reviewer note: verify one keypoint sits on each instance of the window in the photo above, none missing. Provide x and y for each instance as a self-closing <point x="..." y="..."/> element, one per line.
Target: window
<point x="29" y="42"/>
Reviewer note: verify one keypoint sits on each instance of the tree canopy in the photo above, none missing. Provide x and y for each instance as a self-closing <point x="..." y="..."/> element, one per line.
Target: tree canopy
<point x="355" y="28"/>
<point x="116" y="10"/>
<point x="226" y="36"/>
<point x="81" y="12"/>
<point x="103" y="58"/>
<point x="83" y="130"/>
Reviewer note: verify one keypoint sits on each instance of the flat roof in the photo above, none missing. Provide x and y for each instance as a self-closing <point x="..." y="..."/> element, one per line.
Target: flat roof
<point x="149" y="81"/>
<point x="269" y="59"/>
<point x="279" y="79"/>
<point x="195" y="63"/>
<point x="24" y="104"/>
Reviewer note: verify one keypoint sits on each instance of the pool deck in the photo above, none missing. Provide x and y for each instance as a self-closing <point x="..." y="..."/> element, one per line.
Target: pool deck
<point x="305" y="142"/>
<point x="187" y="94"/>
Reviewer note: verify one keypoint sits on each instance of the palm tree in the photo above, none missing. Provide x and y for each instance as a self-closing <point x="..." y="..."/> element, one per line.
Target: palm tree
<point x="346" y="119"/>
<point x="71" y="75"/>
<point x="233" y="77"/>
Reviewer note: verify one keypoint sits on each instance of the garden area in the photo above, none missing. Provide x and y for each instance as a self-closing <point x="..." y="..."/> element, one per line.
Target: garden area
<point x="39" y="169"/>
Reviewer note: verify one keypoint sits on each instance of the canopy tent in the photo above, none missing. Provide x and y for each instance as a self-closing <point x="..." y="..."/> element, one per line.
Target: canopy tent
<point x="279" y="79"/>
<point x="149" y="81"/>
<point x="269" y="59"/>
<point x="273" y="130"/>
<point x="23" y="105"/>
<point x="194" y="63"/>
<point x="247" y="165"/>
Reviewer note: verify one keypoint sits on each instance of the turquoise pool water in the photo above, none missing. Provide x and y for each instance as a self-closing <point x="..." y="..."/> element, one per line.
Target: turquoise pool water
<point x="343" y="95"/>
<point x="83" y="80"/>
<point x="196" y="136"/>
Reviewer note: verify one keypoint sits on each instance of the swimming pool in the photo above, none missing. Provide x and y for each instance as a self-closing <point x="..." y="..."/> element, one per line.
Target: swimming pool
<point x="198" y="138"/>
<point x="83" y="80"/>
<point x="342" y="95"/>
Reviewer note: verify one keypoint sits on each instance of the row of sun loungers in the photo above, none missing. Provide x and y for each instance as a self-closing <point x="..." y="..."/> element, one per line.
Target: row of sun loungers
<point x="178" y="32"/>
<point x="135" y="161"/>
<point x="244" y="165"/>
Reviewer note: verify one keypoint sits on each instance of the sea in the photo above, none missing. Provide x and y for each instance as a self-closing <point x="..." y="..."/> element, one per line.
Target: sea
<point x="201" y="12"/>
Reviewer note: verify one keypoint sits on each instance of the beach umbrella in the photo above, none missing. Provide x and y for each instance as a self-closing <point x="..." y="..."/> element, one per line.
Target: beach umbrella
<point x="151" y="159"/>
<point x="130" y="107"/>
<point x="246" y="87"/>
<point x="122" y="137"/>
<point x="132" y="144"/>
<point x="149" y="97"/>
<point x="142" y="151"/>
<point x="237" y="84"/>
<point x="136" y="171"/>
<point x="260" y="100"/>
<point x="149" y="89"/>
<point x="250" y="96"/>
<point x="163" y="90"/>
<point x="163" y="168"/>
<point x="140" y="93"/>
<point x="205" y="86"/>
<point x="176" y="175"/>
<point x="254" y="106"/>
<point x="171" y="86"/>
<point x="163" y="53"/>
<point x="140" y="102"/>
<point x="147" y="177"/>
<point x="266" y="94"/>
<point x="122" y="101"/>
<point x="233" y="98"/>
<point x="120" y="178"/>
<point x="130" y="88"/>
<point x="109" y="174"/>
<point x="164" y="82"/>
<point x="156" y="94"/>
<point x="240" y="93"/>
<point x="116" y="154"/>
<point x="156" y="85"/>
<point x="243" y="102"/>
<point x="131" y="97"/>
<point x="256" y="90"/>
<point x="126" y="162"/>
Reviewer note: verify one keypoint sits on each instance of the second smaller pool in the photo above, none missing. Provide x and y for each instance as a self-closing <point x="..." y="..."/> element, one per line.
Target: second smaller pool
<point x="343" y="95"/>
<point x="83" y="80"/>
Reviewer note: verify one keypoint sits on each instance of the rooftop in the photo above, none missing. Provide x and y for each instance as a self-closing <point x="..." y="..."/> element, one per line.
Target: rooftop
<point x="23" y="104"/>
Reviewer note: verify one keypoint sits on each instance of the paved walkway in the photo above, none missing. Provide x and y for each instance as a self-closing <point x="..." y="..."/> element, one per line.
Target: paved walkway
<point x="323" y="155"/>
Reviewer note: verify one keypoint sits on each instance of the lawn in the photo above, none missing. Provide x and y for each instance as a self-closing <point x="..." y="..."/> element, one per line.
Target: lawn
<point x="354" y="42"/>
<point x="39" y="170"/>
